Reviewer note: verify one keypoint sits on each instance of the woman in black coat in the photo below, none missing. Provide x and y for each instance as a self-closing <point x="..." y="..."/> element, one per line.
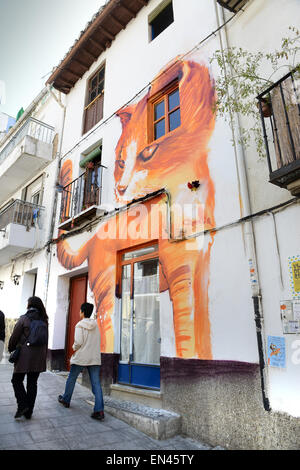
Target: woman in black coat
<point x="2" y="334"/>
<point x="32" y="359"/>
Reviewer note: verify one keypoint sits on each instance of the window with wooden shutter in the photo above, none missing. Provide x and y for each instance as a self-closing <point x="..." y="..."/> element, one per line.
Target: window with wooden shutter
<point x="93" y="111"/>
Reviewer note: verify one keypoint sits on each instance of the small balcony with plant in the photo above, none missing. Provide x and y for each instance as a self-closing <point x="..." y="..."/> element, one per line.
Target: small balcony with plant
<point x="263" y="90"/>
<point x="81" y="199"/>
<point x="279" y="107"/>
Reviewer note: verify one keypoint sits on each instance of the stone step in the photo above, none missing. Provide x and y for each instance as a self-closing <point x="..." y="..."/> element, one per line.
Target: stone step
<point x="156" y="423"/>
<point x="147" y="397"/>
<point x="65" y="375"/>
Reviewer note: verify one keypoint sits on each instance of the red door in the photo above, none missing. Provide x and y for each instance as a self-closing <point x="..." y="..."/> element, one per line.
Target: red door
<point x="78" y="288"/>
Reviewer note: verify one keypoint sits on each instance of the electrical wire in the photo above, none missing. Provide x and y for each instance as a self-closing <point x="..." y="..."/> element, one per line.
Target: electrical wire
<point x="155" y="194"/>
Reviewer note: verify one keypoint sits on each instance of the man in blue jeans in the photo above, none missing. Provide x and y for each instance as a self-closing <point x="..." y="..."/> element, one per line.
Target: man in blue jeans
<point x="87" y="354"/>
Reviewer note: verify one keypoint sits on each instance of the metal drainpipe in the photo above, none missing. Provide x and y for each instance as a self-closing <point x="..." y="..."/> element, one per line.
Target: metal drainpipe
<point x="249" y="235"/>
<point x="54" y="206"/>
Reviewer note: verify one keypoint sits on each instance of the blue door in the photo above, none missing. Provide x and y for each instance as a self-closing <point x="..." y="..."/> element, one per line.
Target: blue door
<point x="140" y="326"/>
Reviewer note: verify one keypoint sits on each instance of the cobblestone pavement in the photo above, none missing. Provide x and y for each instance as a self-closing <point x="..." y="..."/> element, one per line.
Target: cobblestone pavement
<point x="53" y="427"/>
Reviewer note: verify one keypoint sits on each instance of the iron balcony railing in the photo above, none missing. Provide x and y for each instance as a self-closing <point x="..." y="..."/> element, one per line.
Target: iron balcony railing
<point x="31" y="127"/>
<point x="280" y="115"/>
<point x="22" y="213"/>
<point x="82" y="193"/>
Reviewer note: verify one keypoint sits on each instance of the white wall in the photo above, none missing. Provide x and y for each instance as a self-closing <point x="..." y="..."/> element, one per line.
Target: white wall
<point x="261" y="28"/>
<point x="233" y="333"/>
<point x="276" y="287"/>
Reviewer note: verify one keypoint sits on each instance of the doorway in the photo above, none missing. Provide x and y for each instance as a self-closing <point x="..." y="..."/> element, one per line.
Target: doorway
<point x="78" y="290"/>
<point x="140" y="326"/>
<point x="28" y="288"/>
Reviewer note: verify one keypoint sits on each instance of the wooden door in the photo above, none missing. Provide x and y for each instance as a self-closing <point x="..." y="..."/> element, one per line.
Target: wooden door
<point x="78" y="288"/>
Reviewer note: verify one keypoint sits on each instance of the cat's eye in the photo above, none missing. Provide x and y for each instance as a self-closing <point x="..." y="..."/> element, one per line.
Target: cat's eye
<point x="148" y="152"/>
<point x="121" y="164"/>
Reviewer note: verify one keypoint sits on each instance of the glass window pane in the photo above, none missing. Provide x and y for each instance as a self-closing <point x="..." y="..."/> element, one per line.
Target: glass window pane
<point x="140" y="252"/>
<point x="101" y="75"/>
<point x="100" y="88"/>
<point x="174" y="119"/>
<point x="94" y="82"/>
<point x="159" y="110"/>
<point x="173" y="99"/>
<point x="125" y="314"/>
<point x="159" y="129"/>
<point x="162" y="20"/>
<point x="36" y="198"/>
<point x="93" y="95"/>
<point x="146" y="327"/>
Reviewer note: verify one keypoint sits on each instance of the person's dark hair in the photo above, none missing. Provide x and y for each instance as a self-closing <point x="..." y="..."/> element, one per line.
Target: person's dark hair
<point x="36" y="302"/>
<point x="87" y="309"/>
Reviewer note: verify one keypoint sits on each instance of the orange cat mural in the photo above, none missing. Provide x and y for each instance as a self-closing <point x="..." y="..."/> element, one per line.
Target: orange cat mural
<point x="142" y="167"/>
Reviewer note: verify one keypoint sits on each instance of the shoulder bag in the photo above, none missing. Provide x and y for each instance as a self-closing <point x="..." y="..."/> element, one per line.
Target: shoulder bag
<point x="14" y="356"/>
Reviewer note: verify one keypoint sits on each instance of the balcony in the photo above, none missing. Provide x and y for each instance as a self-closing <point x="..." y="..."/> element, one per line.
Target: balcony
<point x="81" y="199"/>
<point x="280" y="115"/>
<point x="23" y="154"/>
<point x="21" y="225"/>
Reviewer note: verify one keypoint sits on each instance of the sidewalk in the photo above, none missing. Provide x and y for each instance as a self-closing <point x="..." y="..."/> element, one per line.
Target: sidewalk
<point x="53" y="427"/>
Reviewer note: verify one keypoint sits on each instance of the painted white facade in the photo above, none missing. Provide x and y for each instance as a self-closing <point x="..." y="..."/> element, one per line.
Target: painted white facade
<point x="241" y="188"/>
<point x="130" y="65"/>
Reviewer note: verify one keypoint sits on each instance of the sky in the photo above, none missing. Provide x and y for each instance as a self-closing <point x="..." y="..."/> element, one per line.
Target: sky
<point x="34" y="37"/>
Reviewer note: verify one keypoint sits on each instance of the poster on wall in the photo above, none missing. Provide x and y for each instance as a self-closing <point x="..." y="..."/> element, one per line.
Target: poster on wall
<point x="294" y="269"/>
<point x="276" y="351"/>
<point x="290" y="316"/>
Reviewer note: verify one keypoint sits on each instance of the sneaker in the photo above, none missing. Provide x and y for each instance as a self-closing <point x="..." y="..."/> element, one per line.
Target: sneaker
<point x="98" y="415"/>
<point x="20" y="413"/>
<point x="64" y="403"/>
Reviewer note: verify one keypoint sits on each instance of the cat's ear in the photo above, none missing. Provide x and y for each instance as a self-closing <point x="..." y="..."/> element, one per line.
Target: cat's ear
<point x="125" y="115"/>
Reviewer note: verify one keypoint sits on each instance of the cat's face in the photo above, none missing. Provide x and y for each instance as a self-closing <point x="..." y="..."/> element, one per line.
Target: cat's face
<point x="142" y="167"/>
<point x="134" y="157"/>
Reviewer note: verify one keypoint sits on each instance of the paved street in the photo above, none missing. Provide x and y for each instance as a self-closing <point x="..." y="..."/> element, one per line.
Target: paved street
<point x="54" y="427"/>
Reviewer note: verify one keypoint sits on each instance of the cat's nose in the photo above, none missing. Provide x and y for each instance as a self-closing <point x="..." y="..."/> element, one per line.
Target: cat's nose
<point x="121" y="189"/>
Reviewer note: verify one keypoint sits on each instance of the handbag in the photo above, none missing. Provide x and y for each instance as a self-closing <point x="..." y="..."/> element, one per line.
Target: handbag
<point x="14" y="356"/>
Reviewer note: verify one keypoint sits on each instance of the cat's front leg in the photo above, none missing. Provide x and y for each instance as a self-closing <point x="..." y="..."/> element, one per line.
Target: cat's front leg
<point x="187" y="273"/>
<point x="179" y="267"/>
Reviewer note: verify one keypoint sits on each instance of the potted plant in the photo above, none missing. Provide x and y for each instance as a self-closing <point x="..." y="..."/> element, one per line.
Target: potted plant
<point x="266" y="107"/>
<point x="242" y="78"/>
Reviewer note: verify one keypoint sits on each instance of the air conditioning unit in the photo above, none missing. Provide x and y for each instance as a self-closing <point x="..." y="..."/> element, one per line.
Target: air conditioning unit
<point x="232" y="5"/>
<point x="101" y="210"/>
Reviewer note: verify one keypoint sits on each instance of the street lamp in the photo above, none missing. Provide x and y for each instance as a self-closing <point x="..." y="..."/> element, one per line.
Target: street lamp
<point x="16" y="279"/>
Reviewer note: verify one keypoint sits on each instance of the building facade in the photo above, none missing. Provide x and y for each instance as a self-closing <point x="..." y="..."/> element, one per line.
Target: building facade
<point x="29" y="156"/>
<point x="186" y="249"/>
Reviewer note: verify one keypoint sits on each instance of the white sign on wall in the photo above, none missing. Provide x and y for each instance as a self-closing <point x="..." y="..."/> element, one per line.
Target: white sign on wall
<point x="290" y="316"/>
